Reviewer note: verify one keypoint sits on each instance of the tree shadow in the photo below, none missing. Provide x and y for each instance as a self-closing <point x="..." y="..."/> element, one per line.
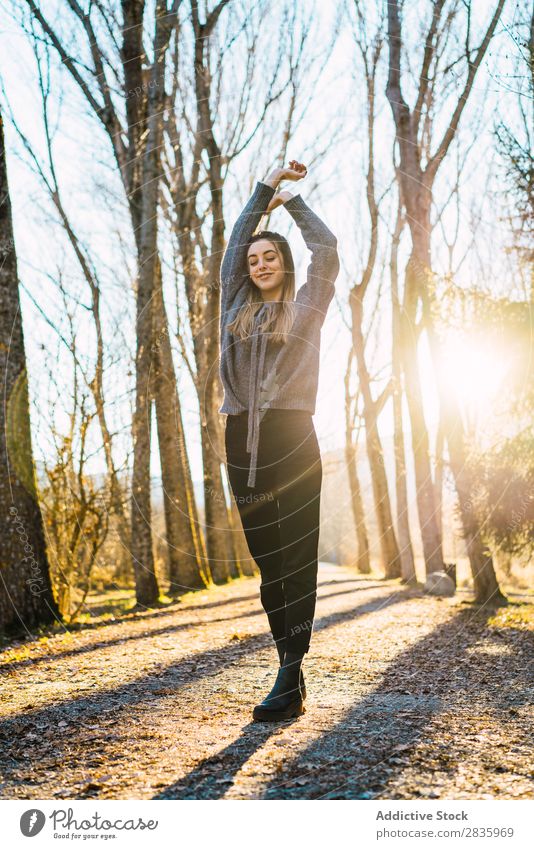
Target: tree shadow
<point x="136" y="613"/>
<point x="168" y="609"/>
<point x="156" y="632"/>
<point x="86" y="709"/>
<point x="210" y="779"/>
<point x="251" y="739"/>
<point x="379" y="735"/>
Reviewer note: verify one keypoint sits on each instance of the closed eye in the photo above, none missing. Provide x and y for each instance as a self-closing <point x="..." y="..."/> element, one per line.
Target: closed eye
<point x="267" y="259"/>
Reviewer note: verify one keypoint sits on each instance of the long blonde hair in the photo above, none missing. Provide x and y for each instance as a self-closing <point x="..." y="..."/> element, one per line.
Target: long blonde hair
<point x="279" y="318"/>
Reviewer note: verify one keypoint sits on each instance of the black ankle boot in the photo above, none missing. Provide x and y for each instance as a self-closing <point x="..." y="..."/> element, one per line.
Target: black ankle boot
<point x="285" y="699"/>
<point x="281" y="652"/>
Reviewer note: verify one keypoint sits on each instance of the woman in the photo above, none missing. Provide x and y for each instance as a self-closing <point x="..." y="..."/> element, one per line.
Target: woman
<point x="270" y="340"/>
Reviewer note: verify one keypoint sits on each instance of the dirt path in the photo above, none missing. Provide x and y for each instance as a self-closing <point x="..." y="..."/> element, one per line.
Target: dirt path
<point x="409" y="697"/>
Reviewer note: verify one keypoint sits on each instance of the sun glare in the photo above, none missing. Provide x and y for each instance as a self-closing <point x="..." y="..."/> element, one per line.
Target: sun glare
<point x="475" y="371"/>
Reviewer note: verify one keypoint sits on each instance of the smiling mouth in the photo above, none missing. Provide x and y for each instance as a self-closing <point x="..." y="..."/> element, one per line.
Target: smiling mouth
<point x="264" y="276"/>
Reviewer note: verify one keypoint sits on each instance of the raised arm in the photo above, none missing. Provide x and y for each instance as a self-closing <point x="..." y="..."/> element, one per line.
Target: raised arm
<point x="323" y="269"/>
<point x="234" y="265"/>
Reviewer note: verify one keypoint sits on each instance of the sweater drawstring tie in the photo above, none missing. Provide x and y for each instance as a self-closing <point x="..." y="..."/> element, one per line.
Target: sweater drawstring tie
<point x="256" y="373"/>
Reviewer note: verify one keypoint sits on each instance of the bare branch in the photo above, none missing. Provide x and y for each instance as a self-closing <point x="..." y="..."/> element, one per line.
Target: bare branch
<point x="450" y="131"/>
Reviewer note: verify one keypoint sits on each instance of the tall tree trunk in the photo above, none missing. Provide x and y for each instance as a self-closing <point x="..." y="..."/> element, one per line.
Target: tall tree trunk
<point x="26" y="597"/>
<point x="140" y="169"/>
<point x="403" y="517"/>
<point x="184" y="538"/>
<point x="146" y="585"/>
<point x="142" y="554"/>
<point x="401" y="491"/>
<point x="221" y="549"/>
<point x="363" y="563"/>
<point x="415" y="186"/>
<point x="371" y="411"/>
<point x="186" y="551"/>
<point x="425" y="492"/>
<point x="222" y="545"/>
<point x="438" y="476"/>
<point x="372" y="408"/>
<point x="141" y="161"/>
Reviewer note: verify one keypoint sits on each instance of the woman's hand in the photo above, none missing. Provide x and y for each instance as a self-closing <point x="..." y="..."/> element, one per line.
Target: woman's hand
<point x="277" y="200"/>
<point x="295" y="171"/>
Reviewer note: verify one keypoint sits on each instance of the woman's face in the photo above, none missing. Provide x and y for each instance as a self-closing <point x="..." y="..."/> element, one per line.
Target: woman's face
<point x="266" y="268"/>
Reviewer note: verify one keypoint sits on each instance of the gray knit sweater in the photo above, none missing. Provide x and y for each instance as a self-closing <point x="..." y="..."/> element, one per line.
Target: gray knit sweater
<point x="257" y="373"/>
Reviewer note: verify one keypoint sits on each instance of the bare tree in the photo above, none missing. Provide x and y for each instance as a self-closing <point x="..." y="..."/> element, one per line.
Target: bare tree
<point x="401" y="490"/>
<point x="142" y="554"/>
<point x="352" y="430"/>
<point x="370" y="55"/>
<point x="26" y="598"/>
<point x="47" y="173"/>
<point x="515" y="143"/>
<point x="138" y="94"/>
<point x="188" y="560"/>
<point x="416" y="184"/>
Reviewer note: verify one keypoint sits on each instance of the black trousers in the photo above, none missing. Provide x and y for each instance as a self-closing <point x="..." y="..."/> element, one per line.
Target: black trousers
<point x="280" y="516"/>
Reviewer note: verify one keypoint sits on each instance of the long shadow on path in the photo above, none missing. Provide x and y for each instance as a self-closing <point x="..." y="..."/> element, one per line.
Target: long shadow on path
<point x="364" y="752"/>
<point x="120" y="639"/>
<point x="200" y="783"/>
<point x="78" y="712"/>
<point x="376" y="740"/>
